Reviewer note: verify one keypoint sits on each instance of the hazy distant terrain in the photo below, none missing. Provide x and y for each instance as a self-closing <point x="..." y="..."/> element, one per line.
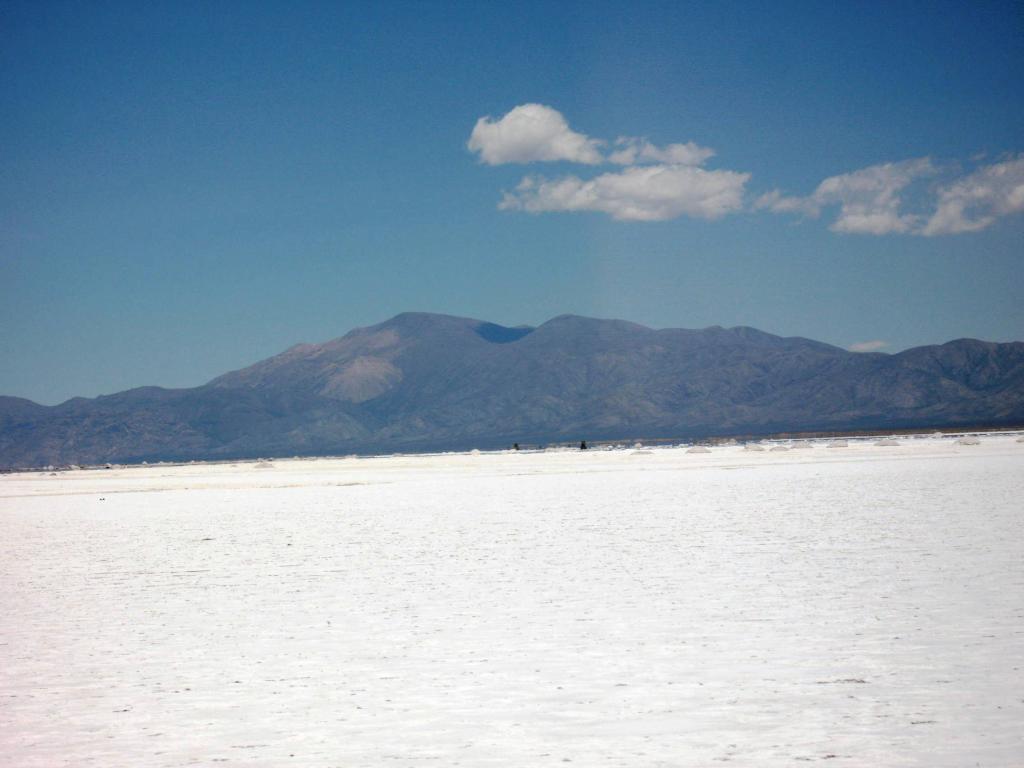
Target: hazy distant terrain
<point x="421" y="381"/>
<point x="853" y="607"/>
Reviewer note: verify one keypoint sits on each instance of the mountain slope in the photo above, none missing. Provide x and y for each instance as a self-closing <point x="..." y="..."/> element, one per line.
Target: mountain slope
<point x="423" y="381"/>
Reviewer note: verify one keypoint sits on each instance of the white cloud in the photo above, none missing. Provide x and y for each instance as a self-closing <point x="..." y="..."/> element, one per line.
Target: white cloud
<point x="975" y="201"/>
<point x="869" y="200"/>
<point x="530" y="133"/>
<point x="632" y="151"/>
<point x="776" y="202"/>
<point x="664" y="182"/>
<point x="659" y="182"/>
<point x="639" y="193"/>
<point x="869" y="346"/>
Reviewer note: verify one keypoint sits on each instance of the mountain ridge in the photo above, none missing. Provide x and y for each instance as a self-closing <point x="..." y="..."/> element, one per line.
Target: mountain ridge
<point x="423" y="381"/>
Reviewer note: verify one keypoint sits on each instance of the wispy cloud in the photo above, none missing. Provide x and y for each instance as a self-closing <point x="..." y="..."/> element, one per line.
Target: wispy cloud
<point x="640" y="193"/>
<point x="632" y="151"/>
<point x="869" y="200"/>
<point x="776" y="202"/>
<point x="978" y="199"/>
<point x="868" y="346"/>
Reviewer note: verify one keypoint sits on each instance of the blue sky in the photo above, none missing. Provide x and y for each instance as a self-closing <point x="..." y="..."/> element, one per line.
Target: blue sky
<point x="188" y="188"/>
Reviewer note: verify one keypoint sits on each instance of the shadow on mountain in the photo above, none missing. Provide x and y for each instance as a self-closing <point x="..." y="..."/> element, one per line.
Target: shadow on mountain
<point x="499" y="334"/>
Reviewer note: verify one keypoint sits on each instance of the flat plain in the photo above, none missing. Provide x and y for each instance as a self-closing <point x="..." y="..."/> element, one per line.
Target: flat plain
<point x="861" y="606"/>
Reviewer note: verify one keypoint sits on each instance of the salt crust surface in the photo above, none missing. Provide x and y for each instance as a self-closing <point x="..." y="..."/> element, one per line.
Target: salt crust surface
<point x="862" y="607"/>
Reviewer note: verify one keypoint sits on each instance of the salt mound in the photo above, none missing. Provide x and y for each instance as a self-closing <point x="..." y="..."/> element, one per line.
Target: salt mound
<point x="800" y="447"/>
<point x="698" y="449"/>
<point x="779" y="448"/>
<point x="752" y="447"/>
<point x="968" y="441"/>
<point x="887" y="442"/>
<point x="263" y="465"/>
<point x="838" y="444"/>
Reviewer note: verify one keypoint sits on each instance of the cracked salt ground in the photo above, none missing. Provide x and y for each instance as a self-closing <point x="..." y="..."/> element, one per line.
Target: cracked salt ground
<point x="860" y="607"/>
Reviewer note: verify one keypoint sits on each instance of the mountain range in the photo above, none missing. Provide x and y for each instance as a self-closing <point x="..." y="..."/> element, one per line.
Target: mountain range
<point x="427" y="382"/>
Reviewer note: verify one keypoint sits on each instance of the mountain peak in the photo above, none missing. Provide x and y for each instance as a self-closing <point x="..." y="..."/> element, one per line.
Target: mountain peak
<point x="430" y="381"/>
<point x="421" y="320"/>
